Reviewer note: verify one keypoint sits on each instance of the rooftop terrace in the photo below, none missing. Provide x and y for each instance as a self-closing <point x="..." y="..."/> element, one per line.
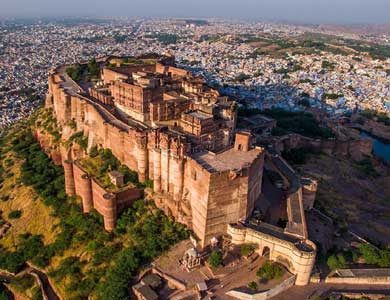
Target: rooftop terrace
<point x="200" y="115"/>
<point x="228" y="160"/>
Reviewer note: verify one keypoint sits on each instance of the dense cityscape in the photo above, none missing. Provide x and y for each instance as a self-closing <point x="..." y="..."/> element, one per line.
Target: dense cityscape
<point x="268" y="65"/>
<point x="193" y="158"/>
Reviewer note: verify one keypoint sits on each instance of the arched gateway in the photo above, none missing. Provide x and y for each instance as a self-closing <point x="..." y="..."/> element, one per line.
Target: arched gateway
<point x="296" y="254"/>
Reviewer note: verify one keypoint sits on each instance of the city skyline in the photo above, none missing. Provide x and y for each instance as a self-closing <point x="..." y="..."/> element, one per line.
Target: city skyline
<point x="302" y="11"/>
<point x="187" y="157"/>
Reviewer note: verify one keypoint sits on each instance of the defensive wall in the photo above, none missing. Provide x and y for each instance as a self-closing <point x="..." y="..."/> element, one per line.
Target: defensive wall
<point x="356" y="148"/>
<point x="297" y="255"/>
<point x="263" y="295"/>
<point x="374" y="127"/>
<point x="207" y="191"/>
<point x="108" y="204"/>
<point x="360" y="276"/>
<point x="189" y="189"/>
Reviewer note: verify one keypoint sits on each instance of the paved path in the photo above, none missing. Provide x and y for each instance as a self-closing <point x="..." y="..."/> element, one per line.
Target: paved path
<point x="313" y="290"/>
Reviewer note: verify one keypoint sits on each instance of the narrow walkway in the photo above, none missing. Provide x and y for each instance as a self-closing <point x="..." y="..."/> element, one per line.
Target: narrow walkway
<point x="311" y="291"/>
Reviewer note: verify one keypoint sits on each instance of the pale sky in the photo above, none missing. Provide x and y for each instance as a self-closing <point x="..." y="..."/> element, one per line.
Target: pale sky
<point x="314" y="11"/>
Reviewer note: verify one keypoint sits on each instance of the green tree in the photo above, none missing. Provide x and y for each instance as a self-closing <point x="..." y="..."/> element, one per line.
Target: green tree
<point x="253" y="285"/>
<point x="242" y="77"/>
<point x="297" y="156"/>
<point x="93" y="68"/>
<point x="15" y="214"/>
<point x="215" y="259"/>
<point x="94" y="152"/>
<point x="375" y="256"/>
<point x="270" y="271"/>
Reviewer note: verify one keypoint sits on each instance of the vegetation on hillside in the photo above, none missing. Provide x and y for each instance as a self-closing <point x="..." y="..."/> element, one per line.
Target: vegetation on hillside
<point x="78" y="71"/>
<point x="378" y="116"/>
<point x="297" y="156"/>
<point x="109" y="260"/>
<point x="45" y="121"/>
<point x="365" y="166"/>
<point x="371" y="255"/>
<point x="77" y="138"/>
<point x="100" y="162"/>
<point x="287" y="122"/>
<point x="375" y="256"/>
<point x="310" y="43"/>
<point x="297" y="122"/>
<point x="93" y="68"/>
<point x="26" y="286"/>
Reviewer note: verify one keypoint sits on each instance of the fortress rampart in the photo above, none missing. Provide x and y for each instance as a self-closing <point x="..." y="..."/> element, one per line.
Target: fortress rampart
<point x="93" y="195"/>
<point x="174" y="130"/>
<point x="356" y="148"/>
<point x="200" y="177"/>
<point x="298" y="256"/>
<point x="191" y="191"/>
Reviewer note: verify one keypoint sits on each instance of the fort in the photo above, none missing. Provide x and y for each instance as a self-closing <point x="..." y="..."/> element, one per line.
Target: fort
<point x="180" y="134"/>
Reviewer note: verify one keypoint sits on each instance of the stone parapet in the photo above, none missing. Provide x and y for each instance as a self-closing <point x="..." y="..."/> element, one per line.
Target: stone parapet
<point x="190" y="191"/>
<point x="297" y="255"/>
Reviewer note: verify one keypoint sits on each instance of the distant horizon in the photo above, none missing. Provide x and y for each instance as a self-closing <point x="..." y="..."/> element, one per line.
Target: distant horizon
<point x="313" y="12"/>
<point x="209" y="18"/>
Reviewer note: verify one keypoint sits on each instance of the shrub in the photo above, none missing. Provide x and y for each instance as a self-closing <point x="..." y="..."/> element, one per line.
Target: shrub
<point x="252" y="285"/>
<point x="76" y="72"/>
<point x="242" y="77"/>
<point x="365" y="165"/>
<point x="304" y="102"/>
<point x="79" y="139"/>
<point x="9" y="174"/>
<point x="4" y="198"/>
<point x="3" y="294"/>
<point x="215" y="259"/>
<point x="282" y="223"/>
<point x="15" y="214"/>
<point x="270" y="271"/>
<point x="93" y="68"/>
<point x="94" y="152"/>
<point x="336" y="262"/>
<point x="36" y="293"/>
<point x="296" y="156"/>
<point x="8" y="162"/>
<point x="375" y="256"/>
<point x="246" y="249"/>
<point x="299" y="122"/>
<point x="23" y="283"/>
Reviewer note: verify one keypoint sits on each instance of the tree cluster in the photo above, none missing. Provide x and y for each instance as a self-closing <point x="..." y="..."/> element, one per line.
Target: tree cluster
<point x="297" y="122"/>
<point x="270" y="271"/>
<point x="112" y="262"/>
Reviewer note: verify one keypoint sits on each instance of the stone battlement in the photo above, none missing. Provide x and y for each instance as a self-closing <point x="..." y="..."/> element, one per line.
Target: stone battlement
<point x="298" y="256"/>
<point x="116" y="115"/>
<point x="108" y="203"/>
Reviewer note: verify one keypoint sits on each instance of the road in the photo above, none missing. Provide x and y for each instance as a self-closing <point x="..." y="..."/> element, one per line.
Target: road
<point x="312" y="290"/>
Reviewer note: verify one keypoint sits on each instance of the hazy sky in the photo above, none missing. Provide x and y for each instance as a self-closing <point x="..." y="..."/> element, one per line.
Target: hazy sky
<point x="317" y="11"/>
